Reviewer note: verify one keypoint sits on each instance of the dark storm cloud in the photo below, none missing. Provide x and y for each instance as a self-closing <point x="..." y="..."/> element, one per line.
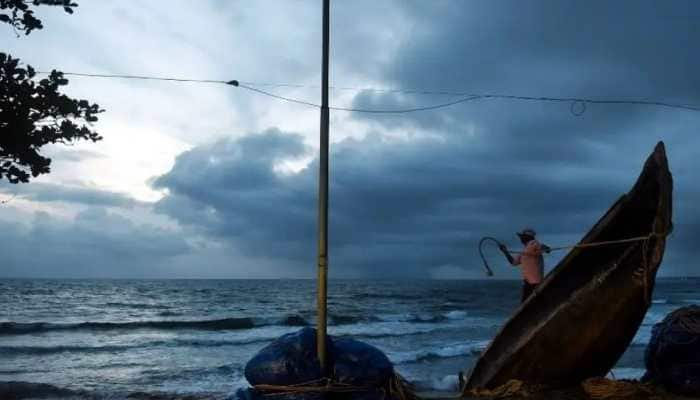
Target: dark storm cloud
<point x="598" y="49"/>
<point x="95" y="244"/>
<point x="416" y="206"/>
<point x="396" y="206"/>
<point x="230" y="189"/>
<point x="551" y="47"/>
<point x="485" y="167"/>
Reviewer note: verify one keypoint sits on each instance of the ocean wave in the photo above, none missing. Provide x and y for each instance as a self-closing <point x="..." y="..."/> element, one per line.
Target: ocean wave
<point x="401" y="317"/>
<point x="423" y="318"/>
<point x="21" y="328"/>
<point x="32" y="390"/>
<point x="404" y="324"/>
<point x="394" y="296"/>
<point x="383" y="329"/>
<point x="217" y="342"/>
<point x="456" y="314"/>
<point x="26" y="390"/>
<point x="447" y="383"/>
<point x="14" y="351"/>
<point x="224" y="324"/>
<point x="339" y="319"/>
<point x="45" y="350"/>
<point x="137" y="305"/>
<point x="294" y="320"/>
<point x="169" y="314"/>
<point x="443" y="351"/>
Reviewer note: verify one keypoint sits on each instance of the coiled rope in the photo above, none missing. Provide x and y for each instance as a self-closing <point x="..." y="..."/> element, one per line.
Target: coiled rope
<point x="483" y="240"/>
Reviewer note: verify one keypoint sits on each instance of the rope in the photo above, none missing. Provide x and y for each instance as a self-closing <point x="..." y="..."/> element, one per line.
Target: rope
<point x="605" y="243"/>
<point x="395" y="388"/>
<point x="593" y="388"/>
<point x="690" y="323"/>
<point x="323" y="385"/>
<point x="483" y="240"/>
<point x="645" y="247"/>
<point x="602" y="388"/>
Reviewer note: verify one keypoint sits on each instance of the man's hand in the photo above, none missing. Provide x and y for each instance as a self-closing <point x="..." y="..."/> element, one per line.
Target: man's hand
<point x="546" y="248"/>
<point x="506" y="253"/>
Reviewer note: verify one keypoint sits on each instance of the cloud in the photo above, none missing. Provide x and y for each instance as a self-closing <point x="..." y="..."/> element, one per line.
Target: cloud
<point x="410" y="193"/>
<point x="600" y="50"/>
<point x="49" y="192"/>
<point x="75" y="155"/>
<point x="95" y="244"/>
<point x="406" y="207"/>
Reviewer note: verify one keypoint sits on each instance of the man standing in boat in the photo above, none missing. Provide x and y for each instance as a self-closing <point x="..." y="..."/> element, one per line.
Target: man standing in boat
<point x="530" y="260"/>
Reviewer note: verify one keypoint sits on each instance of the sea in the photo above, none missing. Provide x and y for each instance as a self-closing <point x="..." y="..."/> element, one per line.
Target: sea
<point x="118" y="339"/>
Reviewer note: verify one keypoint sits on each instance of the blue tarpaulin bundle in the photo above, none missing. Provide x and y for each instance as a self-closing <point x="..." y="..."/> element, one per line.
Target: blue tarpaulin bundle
<point x="672" y="357"/>
<point x="292" y="360"/>
<point x="289" y="360"/>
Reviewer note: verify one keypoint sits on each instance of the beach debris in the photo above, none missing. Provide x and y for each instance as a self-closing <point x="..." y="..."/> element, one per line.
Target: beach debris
<point x="603" y="388"/>
<point x="672" y="356"/>
<point x="288" y="368"/>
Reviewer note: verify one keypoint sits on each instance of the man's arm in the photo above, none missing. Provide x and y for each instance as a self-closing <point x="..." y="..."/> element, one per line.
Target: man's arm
<point x="513" y="261"/>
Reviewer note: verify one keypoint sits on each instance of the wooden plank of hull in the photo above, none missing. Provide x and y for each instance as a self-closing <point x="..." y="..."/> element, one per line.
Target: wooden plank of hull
<point x="583" y="316"/>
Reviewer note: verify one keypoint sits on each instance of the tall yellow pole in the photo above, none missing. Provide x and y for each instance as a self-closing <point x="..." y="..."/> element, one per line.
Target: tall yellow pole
<point x="323" y="198"/>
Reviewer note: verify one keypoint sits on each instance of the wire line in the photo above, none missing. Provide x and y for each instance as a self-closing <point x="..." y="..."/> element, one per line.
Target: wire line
<point x="250" y="86"/>
<point x="141" y="77"/>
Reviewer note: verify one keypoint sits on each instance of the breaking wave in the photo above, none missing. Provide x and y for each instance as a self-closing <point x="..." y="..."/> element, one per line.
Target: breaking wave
<point x="224" y="324"/>
<point x="447" y="351"/>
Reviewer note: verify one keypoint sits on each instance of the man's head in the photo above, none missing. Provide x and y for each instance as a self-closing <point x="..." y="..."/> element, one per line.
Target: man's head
<point x="526" y="235"/>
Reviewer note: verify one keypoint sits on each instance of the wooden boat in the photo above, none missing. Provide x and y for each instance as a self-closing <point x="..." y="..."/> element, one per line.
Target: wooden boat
<point x="580" y="320"/>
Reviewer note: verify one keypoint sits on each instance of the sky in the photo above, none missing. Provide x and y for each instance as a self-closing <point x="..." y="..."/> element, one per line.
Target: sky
<point x="198" y="180"/>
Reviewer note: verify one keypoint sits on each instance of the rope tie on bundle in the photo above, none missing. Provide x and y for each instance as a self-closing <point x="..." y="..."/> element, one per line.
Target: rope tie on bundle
<point x="323" y="385"/>
<point x="396" y="388"/>
<point x="689" y="324"/>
